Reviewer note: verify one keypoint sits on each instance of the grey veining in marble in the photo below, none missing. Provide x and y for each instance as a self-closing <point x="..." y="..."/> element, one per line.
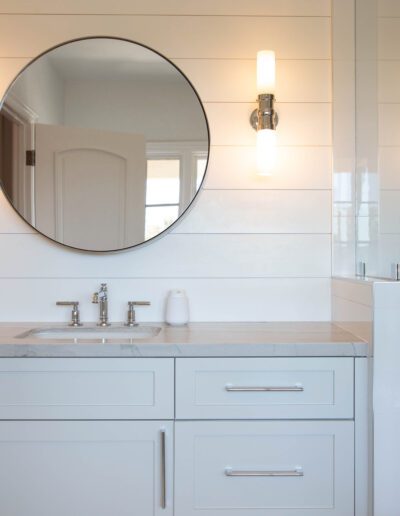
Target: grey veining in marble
<point x="275" y="339"/>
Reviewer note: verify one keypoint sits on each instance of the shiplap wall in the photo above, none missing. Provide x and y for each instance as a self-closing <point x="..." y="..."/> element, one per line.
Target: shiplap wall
<point x="252" y="248"/>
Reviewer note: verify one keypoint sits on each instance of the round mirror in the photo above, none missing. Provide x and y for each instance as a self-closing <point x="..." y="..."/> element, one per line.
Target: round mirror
<point x="103" y="144"/>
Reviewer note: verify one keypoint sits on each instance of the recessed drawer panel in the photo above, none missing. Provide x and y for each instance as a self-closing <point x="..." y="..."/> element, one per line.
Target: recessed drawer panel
<point x="95" y="388"/>
<point x="264" y="468"/>
<point x="264" y="388"/>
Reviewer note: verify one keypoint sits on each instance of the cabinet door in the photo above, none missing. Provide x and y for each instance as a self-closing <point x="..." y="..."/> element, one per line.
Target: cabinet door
<point x="275" y="468"/>
<point x="72" y="468"/>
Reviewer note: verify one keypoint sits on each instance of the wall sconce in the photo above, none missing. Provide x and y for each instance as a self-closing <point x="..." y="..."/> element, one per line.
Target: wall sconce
<point x="264" y="119"/>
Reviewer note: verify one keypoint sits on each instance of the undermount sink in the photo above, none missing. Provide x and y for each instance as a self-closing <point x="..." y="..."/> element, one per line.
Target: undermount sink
<point x="92" y="332"/>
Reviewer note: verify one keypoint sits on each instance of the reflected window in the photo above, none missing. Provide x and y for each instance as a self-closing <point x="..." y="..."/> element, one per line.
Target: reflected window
<point x="162" y="195"/>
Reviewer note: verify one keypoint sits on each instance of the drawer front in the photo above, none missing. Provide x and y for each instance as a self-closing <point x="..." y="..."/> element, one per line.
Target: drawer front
<point x="264" y="388"/>
<point x="79" y="388"/>
<point x="264" y="468"/>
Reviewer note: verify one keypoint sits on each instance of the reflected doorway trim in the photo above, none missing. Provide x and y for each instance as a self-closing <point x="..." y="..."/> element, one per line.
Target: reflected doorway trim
<point x="24" y="119"/>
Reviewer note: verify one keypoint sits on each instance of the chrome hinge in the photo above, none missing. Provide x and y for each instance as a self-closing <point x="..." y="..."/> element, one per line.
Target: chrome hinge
<point x="30" y="159"/>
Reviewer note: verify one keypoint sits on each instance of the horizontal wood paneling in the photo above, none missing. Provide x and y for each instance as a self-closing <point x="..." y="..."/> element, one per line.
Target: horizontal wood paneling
<point x="296" y="168"/>
<point x="9" y="70"/>
<point x="264" y="211"/>
<point x="174" y="36"/>
<point x="253" y="248"/>
<point x="235" y="211"/>
<point x="159" y="7"/>
<point x="233" y="80"/>
<point x="299" y="124"/>
<point x="10" y="221"/>
<point x="206" y="256"/>
<point x="210" y="300"/>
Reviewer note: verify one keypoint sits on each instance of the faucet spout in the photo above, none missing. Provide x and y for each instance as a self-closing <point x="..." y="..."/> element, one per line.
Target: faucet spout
<point x="101" y="298"/>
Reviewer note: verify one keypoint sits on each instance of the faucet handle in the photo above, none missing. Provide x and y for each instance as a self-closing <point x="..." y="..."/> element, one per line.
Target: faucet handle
<point x="75" y="320"/>
<point x="131" y="321"/>
<point x="131" y="304"/>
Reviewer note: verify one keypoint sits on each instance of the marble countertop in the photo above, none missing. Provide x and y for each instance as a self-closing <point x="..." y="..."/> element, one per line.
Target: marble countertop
<point x="272" y="339"/>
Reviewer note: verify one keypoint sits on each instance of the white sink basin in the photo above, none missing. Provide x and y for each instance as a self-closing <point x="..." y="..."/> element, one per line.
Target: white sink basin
<point x="92" y="333"/>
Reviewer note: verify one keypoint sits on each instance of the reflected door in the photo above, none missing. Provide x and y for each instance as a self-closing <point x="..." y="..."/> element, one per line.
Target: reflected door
<point x="83" y="181"/>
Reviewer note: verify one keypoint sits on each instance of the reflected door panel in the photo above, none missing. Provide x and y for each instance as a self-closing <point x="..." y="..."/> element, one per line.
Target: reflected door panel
<point x="83" y="178"/>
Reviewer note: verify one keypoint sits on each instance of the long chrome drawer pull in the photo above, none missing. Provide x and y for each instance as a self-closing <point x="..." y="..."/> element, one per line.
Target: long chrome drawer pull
<point x="237" y="473"/>
<point x="294" y="388"/>
<point x="163" y="472"/>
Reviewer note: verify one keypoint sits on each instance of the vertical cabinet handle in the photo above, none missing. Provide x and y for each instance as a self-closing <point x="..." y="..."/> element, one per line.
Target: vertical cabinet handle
<point x="163" y="472"/>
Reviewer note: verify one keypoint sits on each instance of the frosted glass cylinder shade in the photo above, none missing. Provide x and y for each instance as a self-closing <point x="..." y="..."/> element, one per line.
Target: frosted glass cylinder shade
<point x="265" y="71"/>
<point x="266" y="152"/>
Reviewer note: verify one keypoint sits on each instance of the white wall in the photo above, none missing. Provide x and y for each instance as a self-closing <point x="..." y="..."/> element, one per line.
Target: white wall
<point x="42" y="90"/>
<point x="252" y="248"/>
<point x="139" y="107"/>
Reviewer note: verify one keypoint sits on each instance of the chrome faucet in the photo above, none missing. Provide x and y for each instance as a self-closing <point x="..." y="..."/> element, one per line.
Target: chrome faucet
<point x="101" y="298"/>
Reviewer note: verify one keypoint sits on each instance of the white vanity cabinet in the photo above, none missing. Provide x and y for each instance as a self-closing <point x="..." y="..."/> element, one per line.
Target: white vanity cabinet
<point x="182" y="437"/>
<point x="78" y="444"/>
<point x="248" y="453"/>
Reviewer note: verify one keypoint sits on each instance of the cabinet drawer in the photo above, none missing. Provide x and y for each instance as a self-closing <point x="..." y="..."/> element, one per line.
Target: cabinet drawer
<point x="264" y="388"/>
<point x="79" y="388"/>
<point x="264" y="468"/>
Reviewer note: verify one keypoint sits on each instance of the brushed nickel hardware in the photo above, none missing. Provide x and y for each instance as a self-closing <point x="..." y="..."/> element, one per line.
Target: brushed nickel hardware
<point x="361" y="269"/>
<point x="396" y="271"/>
<point x="163" y="472"/>
<point x="289" y="388"/>
<point x="131" y="320"/>
<point x="75" y="319"/>
<point x="101" y="298"/>
<point x="273" y="473"/>
<point x="265" y="117"/>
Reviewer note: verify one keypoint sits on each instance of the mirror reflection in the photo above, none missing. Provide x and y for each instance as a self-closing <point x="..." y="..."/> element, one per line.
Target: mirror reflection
<point x="103" y="144"/>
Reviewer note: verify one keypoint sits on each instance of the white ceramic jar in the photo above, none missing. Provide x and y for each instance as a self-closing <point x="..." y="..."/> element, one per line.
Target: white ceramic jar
<point x="177" y="308"/>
